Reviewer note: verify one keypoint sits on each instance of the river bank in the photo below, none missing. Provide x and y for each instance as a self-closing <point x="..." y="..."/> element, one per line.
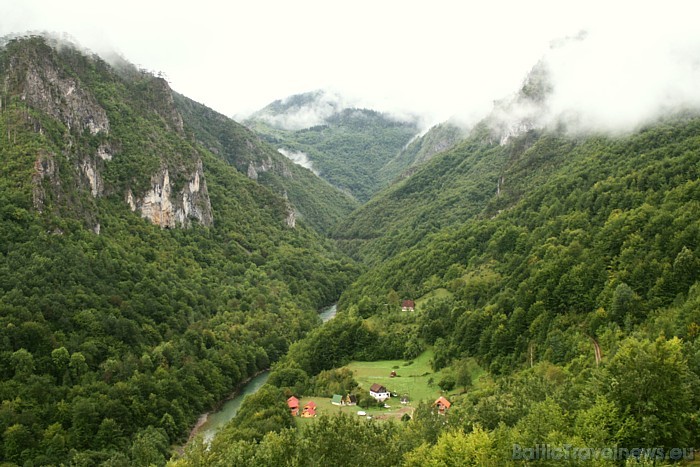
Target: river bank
<point x="211" y="422"/>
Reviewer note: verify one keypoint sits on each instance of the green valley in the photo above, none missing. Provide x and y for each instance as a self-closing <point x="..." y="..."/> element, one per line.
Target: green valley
<point x="564" y="265"/>
<point x="356" y="150"/>
<point x="142" y="277"/>
<point x="522" y="284"/>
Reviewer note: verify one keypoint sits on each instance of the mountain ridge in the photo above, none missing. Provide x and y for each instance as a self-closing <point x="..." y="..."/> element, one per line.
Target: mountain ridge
<point x="350" y="147"/>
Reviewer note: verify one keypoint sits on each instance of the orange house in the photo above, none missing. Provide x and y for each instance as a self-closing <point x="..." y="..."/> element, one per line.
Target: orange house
<point x="309" y="410"/>
<point x="293" y="404"/>
<point x="442" y="405"/>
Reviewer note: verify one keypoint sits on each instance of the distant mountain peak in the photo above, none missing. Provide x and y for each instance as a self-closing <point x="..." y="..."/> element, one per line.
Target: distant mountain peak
<point x="301" y="111"/>
<point x="347" y="145"/>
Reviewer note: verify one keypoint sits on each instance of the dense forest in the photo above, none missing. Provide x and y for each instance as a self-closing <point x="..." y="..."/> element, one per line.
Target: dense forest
<point x="555" y="276"/>
<point x="564" y="266"/>
<point x="116" y="333"/>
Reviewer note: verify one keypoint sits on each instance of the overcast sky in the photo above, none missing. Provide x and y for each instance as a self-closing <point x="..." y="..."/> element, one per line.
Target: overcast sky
<point x="438" y="58"/>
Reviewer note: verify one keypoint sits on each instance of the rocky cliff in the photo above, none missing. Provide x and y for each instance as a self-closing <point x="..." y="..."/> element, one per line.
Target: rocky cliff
<point x="165" y="207"/>
<point x="70" y="99"/>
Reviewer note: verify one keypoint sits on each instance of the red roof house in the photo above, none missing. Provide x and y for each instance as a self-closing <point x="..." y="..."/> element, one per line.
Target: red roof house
<point x="442" y="404"/>
<point x="408" y="305"/>
<point x="309" y="410"/>
<point x="293" y="404"/>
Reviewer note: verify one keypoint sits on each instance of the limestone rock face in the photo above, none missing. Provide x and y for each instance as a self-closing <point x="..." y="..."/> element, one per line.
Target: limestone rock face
<point x="255" y="168"/>
<point x="89" y="169"/>
<point x="45" y="168"/>
<point x="52" y="77"/>
<point x="63" y="98"/>
<point x="262" y="166"/>
<point x="169" y="209"/>
<point x="291" y="219"/>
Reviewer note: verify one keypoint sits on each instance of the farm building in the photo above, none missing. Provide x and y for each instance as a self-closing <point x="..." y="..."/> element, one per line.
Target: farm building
<point x="379" y="392"/>
<point x="309" y="410"/>
<point x="293" y="404"/>
<point x="442" y="404"/>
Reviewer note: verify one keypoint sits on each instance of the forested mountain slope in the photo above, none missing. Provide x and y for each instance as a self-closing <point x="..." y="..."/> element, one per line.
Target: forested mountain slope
<point x="501" y="207"/>
<point x="141" y="276"/>
<point x="437" y="139"/>
<point x="557" y="291"/>
<point x="315" y="200"/>
<point x="555" y="276"/>
<point x="353" y="149"/>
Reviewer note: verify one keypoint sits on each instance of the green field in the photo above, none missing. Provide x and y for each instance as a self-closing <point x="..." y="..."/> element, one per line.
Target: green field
<point x="436" y="294"/>
<point x="412" y="378"/>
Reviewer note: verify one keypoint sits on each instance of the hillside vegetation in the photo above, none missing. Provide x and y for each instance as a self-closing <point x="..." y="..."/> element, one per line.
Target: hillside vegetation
<point x="151" y="260"/>
<point x="317" y="202"/>
<point x="565" y="265"/>
<point x="117" y="328"/>
<point x="353" y="149"/>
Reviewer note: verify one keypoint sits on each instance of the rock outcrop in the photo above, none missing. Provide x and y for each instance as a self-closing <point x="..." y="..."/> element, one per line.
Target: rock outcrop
<point x="163" y="207"/>
<point x="45" y="170"/>
<point x="48" y="76"/>
<point x="255" y="168"/>
<point x="60" y="96"/>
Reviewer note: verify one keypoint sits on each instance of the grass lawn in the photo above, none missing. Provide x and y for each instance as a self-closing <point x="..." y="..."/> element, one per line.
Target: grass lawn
<point x="323" y="407"/>
<point x="437" y="293"/>
<point x="411" y="379"/>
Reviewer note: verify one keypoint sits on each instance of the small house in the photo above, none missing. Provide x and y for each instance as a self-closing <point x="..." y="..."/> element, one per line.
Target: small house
<point x="293" y="404"/>
<point x="309" y="410"/>
<point x="337" y="399"/>
<point x="350" y="399"/>
<point x="392" y="374"/>
<point x="408" y="305"/>
<point x="379" y="392"/>
<point x="442" y="405"/>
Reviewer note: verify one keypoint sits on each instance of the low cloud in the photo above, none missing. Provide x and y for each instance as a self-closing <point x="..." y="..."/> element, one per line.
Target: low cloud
<point x="302" y="111"/>
<point x="309" y="112"/>
<point x="606" y="81"/>
<point x="299" y="158"/>
<point x="617" y="83"/>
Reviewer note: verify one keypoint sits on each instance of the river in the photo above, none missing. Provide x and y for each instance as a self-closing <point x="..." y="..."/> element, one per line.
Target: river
<point x="328" y="313"/>
<point x="216" y="420"/>
<point x="211" y="423"/>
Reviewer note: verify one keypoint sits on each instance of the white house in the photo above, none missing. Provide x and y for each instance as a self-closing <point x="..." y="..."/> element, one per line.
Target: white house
<point x="379" y="392"/>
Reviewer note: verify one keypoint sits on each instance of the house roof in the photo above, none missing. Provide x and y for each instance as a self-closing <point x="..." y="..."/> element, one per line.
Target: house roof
<point x="352" y="398"/>
<point x="337" y="399"/>
<point x="376" y="387"/>
<point x="310" y="405"/>
<point x="293" y="402"/>
<point x="444" y="402"/>
<point x="408" y="304"/>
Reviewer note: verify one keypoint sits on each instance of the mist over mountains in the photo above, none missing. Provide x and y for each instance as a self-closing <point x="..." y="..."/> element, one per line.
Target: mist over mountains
<point x="155" y="253"/>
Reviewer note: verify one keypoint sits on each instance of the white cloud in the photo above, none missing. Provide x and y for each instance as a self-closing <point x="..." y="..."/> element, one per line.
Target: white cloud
<point x="440" y="58"/>
<point x="310" y="113"/>
<point x="617" y="80"/>
<point x="299" y="158"/>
